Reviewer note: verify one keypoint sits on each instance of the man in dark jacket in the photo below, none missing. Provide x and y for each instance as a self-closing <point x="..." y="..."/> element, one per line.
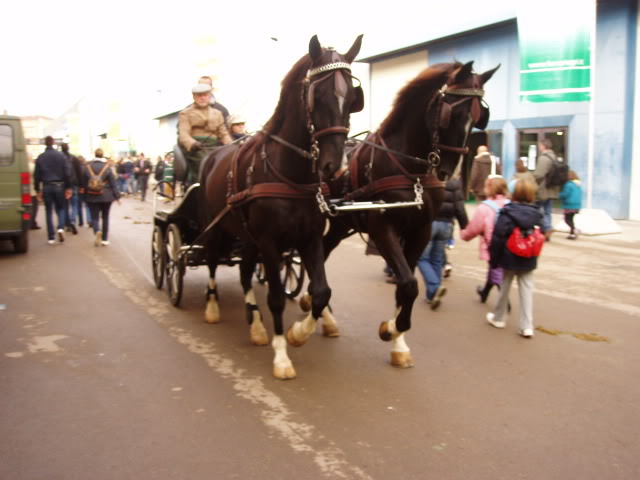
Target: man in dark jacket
<point x="432" y="259"/>
<point x="72" y="204"/>
<point x="52" y="182"/>
<point x="142" y="168"/>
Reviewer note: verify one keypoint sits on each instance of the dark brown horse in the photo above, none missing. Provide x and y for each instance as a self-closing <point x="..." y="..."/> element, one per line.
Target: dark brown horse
<point x="417" y="146"/>
<point x="270" y="191"/>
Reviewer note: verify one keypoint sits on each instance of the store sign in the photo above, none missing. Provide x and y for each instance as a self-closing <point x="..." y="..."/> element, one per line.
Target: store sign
<point x="555" y="50"/>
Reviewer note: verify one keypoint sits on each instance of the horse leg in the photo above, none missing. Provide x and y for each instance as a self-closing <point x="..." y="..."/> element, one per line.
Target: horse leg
<point x="313" y="258"/>
<point x="212" y="311"/>
<point x="271" y="259"/>
<point x="393" y="330"/>
<point x="257" y="331"/>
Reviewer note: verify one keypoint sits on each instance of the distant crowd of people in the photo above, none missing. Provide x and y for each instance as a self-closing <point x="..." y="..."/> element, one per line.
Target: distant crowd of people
<point x="81" y="192"/>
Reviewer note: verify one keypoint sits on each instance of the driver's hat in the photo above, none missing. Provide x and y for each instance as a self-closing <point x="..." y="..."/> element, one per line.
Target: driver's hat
<point x="201" y="88"/>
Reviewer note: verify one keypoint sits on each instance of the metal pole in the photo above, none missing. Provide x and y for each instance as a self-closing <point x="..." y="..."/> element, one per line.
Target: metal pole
<point x="592" y="107"/>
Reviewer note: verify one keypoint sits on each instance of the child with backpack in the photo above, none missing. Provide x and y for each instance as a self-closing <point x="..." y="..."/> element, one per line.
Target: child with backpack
<point x="100" y="189"/>
<point x="482" y="225"/>
<point x="515" y="245"/>
<point x="571" y="197"/>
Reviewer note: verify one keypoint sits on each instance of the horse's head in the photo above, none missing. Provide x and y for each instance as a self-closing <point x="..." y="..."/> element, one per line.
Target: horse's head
<point x="457" y="108"/>
<point x="330" y="98"/>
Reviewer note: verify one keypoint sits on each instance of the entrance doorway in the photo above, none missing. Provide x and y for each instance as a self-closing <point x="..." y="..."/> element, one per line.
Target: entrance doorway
<point x="529" y="138"/>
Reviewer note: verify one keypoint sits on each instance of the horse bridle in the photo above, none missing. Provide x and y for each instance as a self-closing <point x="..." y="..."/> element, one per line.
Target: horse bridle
<point x="443" y="117"/>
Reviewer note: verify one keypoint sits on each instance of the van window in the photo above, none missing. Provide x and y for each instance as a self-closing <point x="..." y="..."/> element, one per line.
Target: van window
<point x="6" y="145"/>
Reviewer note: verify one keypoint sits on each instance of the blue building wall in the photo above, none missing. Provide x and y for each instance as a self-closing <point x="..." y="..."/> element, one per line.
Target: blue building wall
<point x="615" y="67"/>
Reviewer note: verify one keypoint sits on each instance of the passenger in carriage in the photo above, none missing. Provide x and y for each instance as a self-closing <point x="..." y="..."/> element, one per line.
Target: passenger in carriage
<point x="212" y="99"/>
<point x="200" y="126"/>
<point x="236" y="125"/>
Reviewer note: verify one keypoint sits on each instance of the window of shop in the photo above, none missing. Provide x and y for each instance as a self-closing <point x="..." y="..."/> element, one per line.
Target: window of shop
<point x="528" y="140"/>
<point x="6" y="145"/>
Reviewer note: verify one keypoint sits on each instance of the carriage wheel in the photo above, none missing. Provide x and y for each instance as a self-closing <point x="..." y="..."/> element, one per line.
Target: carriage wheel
<point x="292" y="274"/>
<point x="157" y="256"/>
<point x="174" y="264"/>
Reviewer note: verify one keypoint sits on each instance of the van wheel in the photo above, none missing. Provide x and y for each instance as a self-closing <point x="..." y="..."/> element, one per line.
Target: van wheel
<point x="21" y="242"/>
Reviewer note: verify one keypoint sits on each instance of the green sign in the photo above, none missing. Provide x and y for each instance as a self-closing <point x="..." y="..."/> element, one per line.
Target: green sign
<point x="555" y="51"/>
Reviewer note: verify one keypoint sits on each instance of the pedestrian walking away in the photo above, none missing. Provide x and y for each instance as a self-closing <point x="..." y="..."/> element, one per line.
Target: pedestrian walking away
<point x="99" y="186"/>
<point x="482" y="225"/>
<point x="546" y="193"/>
<point x="72" y="204"/>
<point x="52" y="183"/>
<point x="432" y="259"/>
<point x="521" y="213"/>
<point x="571" y="197"/>
<point x="484" y="165"/>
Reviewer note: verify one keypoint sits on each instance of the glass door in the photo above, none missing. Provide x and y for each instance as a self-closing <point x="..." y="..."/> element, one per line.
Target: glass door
<point x="528" y="140"/>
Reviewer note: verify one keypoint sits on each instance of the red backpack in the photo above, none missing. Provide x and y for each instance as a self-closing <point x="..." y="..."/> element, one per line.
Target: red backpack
<point x="525" y="246"/>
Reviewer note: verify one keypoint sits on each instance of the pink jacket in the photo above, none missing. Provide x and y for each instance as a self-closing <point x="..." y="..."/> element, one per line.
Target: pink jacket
<point x="482" y="224"/>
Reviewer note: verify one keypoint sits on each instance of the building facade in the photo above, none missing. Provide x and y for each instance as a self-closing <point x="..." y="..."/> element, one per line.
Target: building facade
<point x="516" y="126"/>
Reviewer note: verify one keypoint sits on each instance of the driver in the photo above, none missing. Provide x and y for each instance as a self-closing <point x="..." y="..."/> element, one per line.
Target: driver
<point x="200" y="126"/>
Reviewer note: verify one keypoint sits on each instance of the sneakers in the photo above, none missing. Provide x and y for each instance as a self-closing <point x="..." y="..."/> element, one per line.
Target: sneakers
<point x="437" y="297"/>
<point x="73" y="228"/>
<point x="51" y="242"/>
<point x="572" y="236"/>
<point x="526" y="333"/>
<point x="98" y="239"/>
<point x="495" y="323"/>
<point x="105" y="243"/>
<point x="60" y="235"/>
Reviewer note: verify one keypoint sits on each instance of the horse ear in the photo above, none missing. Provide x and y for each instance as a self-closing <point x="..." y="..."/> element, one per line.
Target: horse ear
<point x="354" y="50"/>
<point x="488" y="74"/>
<point x="315" y="49"/>
<point x="464" y="72"/>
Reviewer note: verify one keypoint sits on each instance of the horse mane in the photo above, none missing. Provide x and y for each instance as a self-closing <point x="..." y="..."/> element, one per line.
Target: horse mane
<point x="290" y="84"/>
<point x="417" y="92"/>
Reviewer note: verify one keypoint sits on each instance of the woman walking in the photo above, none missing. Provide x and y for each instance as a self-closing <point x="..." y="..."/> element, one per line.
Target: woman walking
<point x="523" y="214"/>
<point x="100" y="190"/>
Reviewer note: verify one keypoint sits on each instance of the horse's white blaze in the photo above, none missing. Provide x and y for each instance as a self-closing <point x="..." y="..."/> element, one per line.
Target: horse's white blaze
<point x="303" y="330"/>
<point x="212" y="312"/>
<point x="398" y="342"/>
<point x="281" y="359"/>
<point x="340" y="102"/>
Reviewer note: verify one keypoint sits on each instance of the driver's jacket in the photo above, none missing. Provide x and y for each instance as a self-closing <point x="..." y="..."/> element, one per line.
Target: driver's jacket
<point x="195" y="121"/>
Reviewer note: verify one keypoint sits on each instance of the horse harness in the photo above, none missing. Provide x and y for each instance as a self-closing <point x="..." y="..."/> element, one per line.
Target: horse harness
<point x="408" y="181"/>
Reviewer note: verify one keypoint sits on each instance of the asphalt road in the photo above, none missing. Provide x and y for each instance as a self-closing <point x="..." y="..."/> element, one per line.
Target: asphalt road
<point x="101" y="378"/>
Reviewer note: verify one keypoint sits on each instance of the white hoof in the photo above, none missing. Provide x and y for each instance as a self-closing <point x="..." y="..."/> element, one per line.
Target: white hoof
<point x="329" y="324"/>
<point x="402" y="359"/>
<point x="212" y="313"/>
<point x="258" y="333"/>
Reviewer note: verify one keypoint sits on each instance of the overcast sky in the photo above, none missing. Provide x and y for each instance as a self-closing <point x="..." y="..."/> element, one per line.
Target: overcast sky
<point x="55" y="52"/>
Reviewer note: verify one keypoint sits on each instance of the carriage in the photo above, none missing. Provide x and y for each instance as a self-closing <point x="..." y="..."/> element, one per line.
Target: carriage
<point x="176" y="245"/>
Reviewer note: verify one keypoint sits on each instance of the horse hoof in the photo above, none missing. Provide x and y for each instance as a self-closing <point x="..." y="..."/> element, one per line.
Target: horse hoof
<point x="383" y="331"/>
<point x="284" y="373"/>
<point x="330" y="331"/>
<point x="212" y="317"/>
<point x="305" y="302"/>
<point x="402" y="359"/>
<point x="292" y="340"/>
<point x="260" y="340"/>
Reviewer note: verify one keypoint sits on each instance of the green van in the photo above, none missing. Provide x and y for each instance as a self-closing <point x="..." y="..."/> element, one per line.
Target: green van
<point x="15" y="193"/>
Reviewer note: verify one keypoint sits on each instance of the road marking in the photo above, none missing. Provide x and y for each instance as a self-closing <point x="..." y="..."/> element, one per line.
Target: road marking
<point x="275" y="413"/>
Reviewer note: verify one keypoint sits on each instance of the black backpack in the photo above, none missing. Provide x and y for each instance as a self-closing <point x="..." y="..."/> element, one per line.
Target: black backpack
<point x="95" y="185"/>
<point x="558" y="174"/>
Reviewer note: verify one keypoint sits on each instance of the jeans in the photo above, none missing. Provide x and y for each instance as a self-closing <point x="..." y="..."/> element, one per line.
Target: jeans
<point x="53" y="199"/>
<point x="143" y="181"/>
<point x="545" y="209"/>
<point x="122" y="184"/>
<point x="97" y="209"/>
<point x="71" y="207"/>
<point x="432" y="259"/>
